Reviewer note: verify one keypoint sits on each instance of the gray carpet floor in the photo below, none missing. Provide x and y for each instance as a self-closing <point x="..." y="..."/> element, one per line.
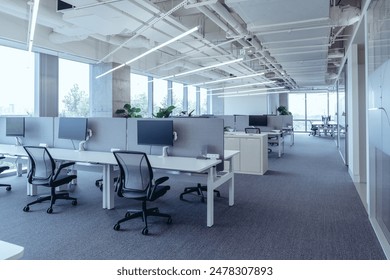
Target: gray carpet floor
<point x="305" y="207"/>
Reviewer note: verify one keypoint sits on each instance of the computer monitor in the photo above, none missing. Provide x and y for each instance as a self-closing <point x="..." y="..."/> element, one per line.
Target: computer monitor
<point x="155" y="132"/>
<point x="258" y="120"/>
<point x="73" y="128"/>
<point x="14" y="126"/>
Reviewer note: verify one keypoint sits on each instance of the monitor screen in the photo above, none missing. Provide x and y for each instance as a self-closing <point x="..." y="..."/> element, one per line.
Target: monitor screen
<point x="155" y="132"/>
<point x="14" y="126"/>
<point x="258" y="120"/>
<point x="73" y="128"/>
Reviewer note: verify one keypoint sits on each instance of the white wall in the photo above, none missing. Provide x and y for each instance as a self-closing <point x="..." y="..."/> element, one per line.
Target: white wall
<point x="246" y="105"/>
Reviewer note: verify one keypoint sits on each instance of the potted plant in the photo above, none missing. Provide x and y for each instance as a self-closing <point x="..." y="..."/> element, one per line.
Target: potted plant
<point x="283" y="110"/>
<point x="129" y="112"/>
<point x="164" y="112"/>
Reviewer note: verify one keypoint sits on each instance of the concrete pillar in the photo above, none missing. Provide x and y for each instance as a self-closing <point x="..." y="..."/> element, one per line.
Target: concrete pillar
<point x="185" y="97"/>
<point x="46" y="85"/>
<point x="109" y="92"/>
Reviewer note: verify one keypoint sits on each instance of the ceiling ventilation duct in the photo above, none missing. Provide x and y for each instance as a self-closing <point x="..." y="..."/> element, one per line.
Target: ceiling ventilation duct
<point x="58" y="38"/>
<point x="344" y="16"/>
<point x="335" y="53"/>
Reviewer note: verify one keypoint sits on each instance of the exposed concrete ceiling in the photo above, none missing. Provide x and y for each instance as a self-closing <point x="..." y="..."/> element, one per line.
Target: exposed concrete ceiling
<point x="297" y="44"/>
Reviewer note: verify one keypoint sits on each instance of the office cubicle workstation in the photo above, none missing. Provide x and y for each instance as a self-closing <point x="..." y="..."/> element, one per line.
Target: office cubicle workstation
<point x="186" y="139"/>
<point x="255" y="147"/>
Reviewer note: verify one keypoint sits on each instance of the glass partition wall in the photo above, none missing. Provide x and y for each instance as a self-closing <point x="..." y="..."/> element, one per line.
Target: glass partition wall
<point x="378" y="122"/>
<point x="342" y="127"/>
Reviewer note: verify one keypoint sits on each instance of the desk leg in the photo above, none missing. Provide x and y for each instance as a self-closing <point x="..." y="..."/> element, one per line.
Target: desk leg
<point x="210" y="196"/>
<point x="108" y="186"/>
<point x="31" y="189"/>
<point x="231" y="184"/>
<point x="280" y="145"/>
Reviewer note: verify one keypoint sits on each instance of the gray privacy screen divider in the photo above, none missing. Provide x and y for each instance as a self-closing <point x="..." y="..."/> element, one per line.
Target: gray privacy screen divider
<point x="37" y="130"/>
<point x="107" y="133"/>
<point x="195" y="136"/>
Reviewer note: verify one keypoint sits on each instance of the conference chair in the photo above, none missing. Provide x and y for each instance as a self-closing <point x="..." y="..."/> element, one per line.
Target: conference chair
<point x="44" y="171"/>
<point x="2" y="169"/>
<point x="314" y="129"/>
<point x="136" y="181"/>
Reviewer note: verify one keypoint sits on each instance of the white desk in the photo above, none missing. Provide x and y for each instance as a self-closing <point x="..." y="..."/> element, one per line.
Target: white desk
<point x="9" y="251"/>
<point x="107" y="160"/>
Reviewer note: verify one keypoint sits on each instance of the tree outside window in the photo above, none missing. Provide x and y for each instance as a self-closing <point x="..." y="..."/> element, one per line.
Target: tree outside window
<point x="76" y="103"/>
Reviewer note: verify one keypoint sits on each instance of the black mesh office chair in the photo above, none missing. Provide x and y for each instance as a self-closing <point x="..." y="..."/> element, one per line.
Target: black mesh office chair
<point x="136" y="182"/>
<point x="45" y="172"/>
<point x="2" y="169"/>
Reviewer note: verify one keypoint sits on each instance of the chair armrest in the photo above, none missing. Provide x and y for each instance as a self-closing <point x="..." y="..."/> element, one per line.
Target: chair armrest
<point x="161" y="180"/>
<point x="61" y="167"/>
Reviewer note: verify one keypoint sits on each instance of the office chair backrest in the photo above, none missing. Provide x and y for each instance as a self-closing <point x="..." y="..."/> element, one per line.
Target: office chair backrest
<point x="253" y="130"/>
<point x="135" y="172"/>
<point x="42" y="164"/>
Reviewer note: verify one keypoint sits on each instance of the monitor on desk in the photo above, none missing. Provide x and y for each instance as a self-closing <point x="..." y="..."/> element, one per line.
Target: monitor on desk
<point x="258" y="120"/>
<point x="73" y="128"/>
<point x="155" y="132"/>
<point x="15" y="126"/>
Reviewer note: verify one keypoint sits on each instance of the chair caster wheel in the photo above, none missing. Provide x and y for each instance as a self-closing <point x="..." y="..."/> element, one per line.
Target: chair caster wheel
<point x="169" y="221"/>
<point x="127" y="215"/>
<point x="74" y="202"/>
<point x="8" y="188"/>
<point x="117" y="227"/>
<point x="145" y="231"/>
<point x="26" y="209"/>
<point x="49" y="210"/>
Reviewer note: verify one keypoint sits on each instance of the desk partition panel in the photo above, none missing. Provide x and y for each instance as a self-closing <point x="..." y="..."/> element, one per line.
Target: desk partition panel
<point x="195" y="136"/>
<point x="5" y="139"/>
<point x="242" y="121"/>
<point x="37" y="130"/>
<point x="107" y="133"/>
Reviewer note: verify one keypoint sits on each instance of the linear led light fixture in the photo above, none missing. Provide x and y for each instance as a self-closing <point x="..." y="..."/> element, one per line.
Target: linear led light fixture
<point x="243" y="85"/>
<point x="203" y="68"/>
<point x="244" y="91"/>
<point x="33" y="22"/>
<point x="230" y="79"/>
<point x="150" y="51"/>
<point x="252" y="94"/>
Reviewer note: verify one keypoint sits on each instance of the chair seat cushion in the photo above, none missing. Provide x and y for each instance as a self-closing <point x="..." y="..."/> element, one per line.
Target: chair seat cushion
<point x="63" y="179"/>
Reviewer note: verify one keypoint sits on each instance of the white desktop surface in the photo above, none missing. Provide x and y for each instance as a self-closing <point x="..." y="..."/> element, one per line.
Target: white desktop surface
<point x="107" y="160"/>
<point x="9" y="251"/>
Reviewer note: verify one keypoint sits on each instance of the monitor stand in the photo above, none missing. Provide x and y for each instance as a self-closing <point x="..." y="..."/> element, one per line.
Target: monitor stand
<point x="18" y="141"/>
<point x="165" y="151"/>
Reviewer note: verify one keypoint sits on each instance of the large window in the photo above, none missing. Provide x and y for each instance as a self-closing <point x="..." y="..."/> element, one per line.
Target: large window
<point x="307" y="107"/>
<point x="160" y="94"/>
<point x="203" y="101"/>
<point x="177" y="98"/>
<point x="192" y="100"/>
<point x="17" y="82"/>
<point x="139" y="93"/>
<point x="297" y="106"/>
<point x="73" y="88"/>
